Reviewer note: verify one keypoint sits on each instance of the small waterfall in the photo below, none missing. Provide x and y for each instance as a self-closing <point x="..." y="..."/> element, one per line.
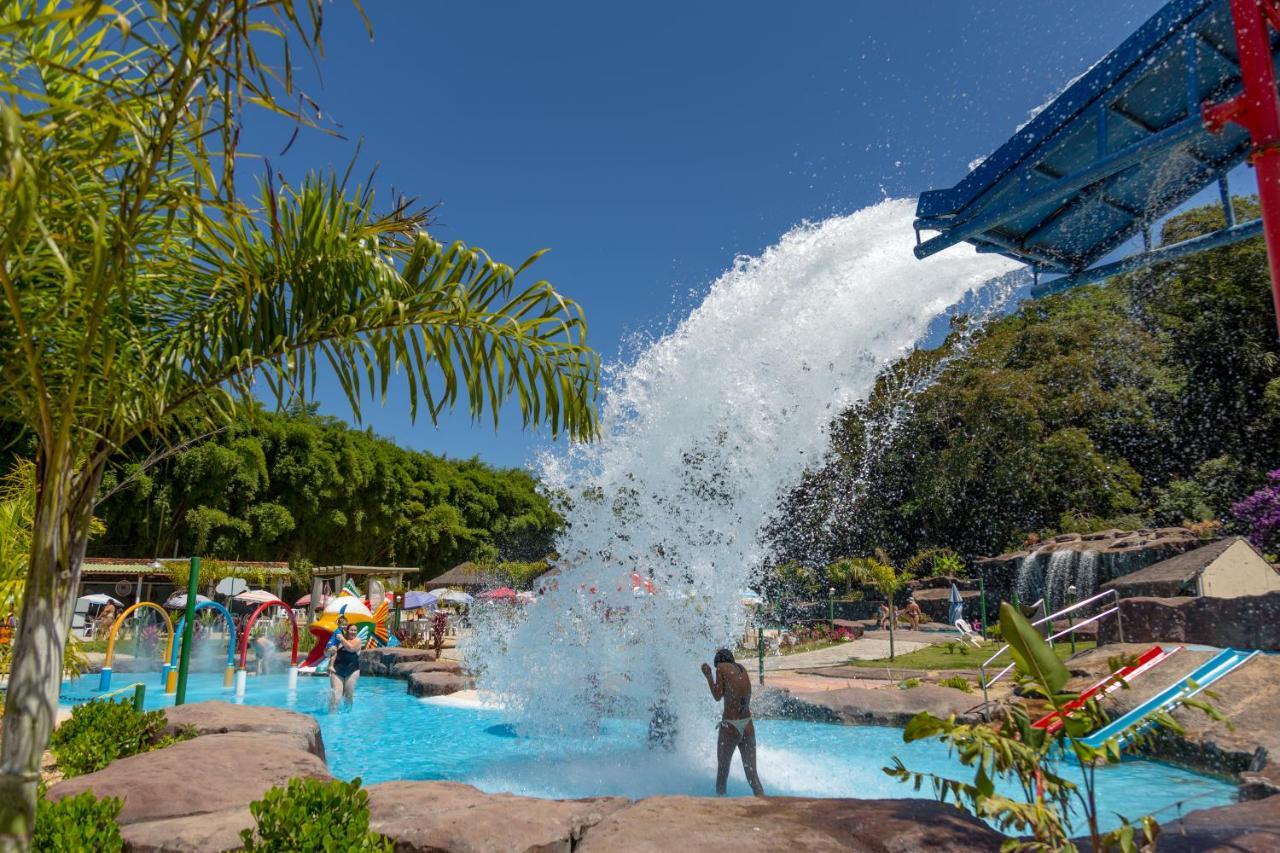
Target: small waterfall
<point x="1087" y="574"/>
<point x="1057" y="578"/>
<point x="1027" y="586"/>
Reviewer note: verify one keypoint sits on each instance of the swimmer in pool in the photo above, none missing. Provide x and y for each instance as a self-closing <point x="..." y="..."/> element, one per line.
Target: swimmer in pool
<point x="730" y="682"/>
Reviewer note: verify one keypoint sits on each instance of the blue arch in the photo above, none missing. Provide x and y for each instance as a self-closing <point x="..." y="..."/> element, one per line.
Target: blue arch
<point x="231" y="627"/>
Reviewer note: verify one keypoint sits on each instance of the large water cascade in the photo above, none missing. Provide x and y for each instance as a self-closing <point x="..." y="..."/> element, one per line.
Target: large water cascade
<point x="701" y="434"/>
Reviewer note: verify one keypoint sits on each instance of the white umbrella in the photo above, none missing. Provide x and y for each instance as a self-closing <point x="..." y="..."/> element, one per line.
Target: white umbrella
<point x="460" y="597"/>
<point x="98" y="598"/>
<point x="256" y="596"/>
<point x="178" y="600"/>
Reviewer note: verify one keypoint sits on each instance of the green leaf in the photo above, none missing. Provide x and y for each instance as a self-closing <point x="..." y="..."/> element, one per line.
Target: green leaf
<point x="1033" y="656"/>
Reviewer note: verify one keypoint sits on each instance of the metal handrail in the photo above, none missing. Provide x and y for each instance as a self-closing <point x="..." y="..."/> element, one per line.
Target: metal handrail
<point x="982" y="668"/>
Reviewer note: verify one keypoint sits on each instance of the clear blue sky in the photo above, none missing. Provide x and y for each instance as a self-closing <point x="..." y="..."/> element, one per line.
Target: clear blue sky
<point x="647" y="144"/>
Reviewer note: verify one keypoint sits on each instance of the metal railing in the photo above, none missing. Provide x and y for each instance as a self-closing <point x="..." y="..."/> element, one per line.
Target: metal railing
<point x="1071" y="629"/>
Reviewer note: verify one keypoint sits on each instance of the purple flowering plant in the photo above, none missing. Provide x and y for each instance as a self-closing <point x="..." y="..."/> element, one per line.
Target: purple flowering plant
<point x="1260" y="512"/>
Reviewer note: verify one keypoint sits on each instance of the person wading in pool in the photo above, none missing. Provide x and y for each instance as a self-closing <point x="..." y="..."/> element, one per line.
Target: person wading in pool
<point x="731" y="683"/>
<point x="344" y="670"/>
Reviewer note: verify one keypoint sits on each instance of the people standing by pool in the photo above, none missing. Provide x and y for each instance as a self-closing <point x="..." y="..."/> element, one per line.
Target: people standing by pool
<point x="344" y="670"/>
<point x="731" y="682"/>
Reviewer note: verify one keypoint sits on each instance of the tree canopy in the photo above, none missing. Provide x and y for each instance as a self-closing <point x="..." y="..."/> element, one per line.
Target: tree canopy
<point x="305" y="488"/>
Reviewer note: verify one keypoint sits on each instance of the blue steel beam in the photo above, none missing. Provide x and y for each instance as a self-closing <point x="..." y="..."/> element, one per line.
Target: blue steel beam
<point x="1213" y="240"/>
<point x="958" y="232"/>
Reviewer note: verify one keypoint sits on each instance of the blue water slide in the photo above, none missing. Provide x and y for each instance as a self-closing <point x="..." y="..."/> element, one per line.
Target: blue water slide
<point x="1127" y="725"/>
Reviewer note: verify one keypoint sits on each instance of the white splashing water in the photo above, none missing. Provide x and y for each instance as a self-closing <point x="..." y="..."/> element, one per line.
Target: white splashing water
<point x="702" y="434"/>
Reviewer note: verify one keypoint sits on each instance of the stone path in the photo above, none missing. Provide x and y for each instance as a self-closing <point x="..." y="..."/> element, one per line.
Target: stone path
<point x="867" y="648"/>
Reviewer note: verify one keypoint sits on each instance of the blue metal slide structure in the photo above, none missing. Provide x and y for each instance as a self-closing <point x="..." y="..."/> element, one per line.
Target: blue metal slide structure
<point x="1127" y="725"/>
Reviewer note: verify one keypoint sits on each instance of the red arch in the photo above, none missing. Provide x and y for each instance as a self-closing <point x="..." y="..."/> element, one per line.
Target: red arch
<point x="253" y="617"/>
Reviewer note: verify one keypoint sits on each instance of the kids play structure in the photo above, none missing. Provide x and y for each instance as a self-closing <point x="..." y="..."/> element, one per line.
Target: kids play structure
<point x="104" y="679"/>
<point x="171" y="682"/>
<point x="242" y="672"/>
<point x="1181" y="102"/>
<point x="1185" y="99"/>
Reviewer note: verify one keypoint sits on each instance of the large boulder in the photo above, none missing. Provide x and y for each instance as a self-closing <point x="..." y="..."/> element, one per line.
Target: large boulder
<point x="212" y="773"/>
<point x="1239" y="828"/>
<point x="745" y="824"/>
<point x="380" y="661"/>
<point x="407" y="668"/>
<point x="217" y="717"/>
<point x="437" y="683"/>
<point x="450" y="816"/>
<point x="212" y="832"/>
<point x="887" y="706"/>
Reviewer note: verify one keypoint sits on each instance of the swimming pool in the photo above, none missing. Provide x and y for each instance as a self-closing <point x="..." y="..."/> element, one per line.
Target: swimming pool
<point x="389" y="734"/>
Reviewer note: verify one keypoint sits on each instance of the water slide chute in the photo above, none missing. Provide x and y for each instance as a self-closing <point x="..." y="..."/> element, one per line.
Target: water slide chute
<point x="248" y="631"/>
<point x="104" y="680"/>
<point x="171" y="683"/>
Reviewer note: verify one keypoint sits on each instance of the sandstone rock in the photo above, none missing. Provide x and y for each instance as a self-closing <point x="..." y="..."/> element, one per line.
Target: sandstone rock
<point x="407" y="668"/>
<point x="450" y="816"/>
<point x="745" y="824"/>
<point x="217" y="717"/>
<point x="1251" y="826"/>
<point x="211" y="773"/>
<point x="203" y="833"/>
<point x="1247" y="622"/>
<point x="887" y="706"/>
<point x="380" y="661"/>
<point x="437" y="683"/>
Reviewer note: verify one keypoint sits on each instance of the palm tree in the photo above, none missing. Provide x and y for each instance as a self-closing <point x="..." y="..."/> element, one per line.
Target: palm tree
<point x="877" y="573"/>
<point x="146" y="302"/>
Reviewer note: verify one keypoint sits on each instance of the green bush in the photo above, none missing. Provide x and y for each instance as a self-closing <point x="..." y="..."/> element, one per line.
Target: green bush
<point x="312" y="815"/>
<point x="909" y="684"/>
<point x="75" y="824"/>
<point x="100" y="732"/>
<point x="959" y="682"/>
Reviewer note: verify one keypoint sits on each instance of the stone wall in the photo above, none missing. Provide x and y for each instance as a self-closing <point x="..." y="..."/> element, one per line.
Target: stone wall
<point x="1244" y="623"/>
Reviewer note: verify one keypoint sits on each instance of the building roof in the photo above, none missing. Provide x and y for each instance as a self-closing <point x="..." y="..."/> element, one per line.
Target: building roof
<point x="142" y="566"/>
<point x="463" y="574"/>
<point x="1123" y="145"/>
<point x="352" y="571"/>
<point x="1172" y="575"/>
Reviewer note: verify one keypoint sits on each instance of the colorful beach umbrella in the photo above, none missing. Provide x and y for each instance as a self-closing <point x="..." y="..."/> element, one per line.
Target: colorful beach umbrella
<point x="415" y="599"/>
<point x="502" y="593"/>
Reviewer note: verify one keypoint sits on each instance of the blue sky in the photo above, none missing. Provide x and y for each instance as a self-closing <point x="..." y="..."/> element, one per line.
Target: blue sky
<point x="647" y="144"/>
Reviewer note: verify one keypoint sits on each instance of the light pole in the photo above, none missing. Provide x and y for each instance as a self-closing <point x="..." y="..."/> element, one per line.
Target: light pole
<point x="831" y="607"/>
<point x="1071" y="594"/>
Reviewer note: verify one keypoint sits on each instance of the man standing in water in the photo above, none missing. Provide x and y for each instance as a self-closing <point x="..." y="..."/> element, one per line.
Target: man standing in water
<point x="731" y="683"/>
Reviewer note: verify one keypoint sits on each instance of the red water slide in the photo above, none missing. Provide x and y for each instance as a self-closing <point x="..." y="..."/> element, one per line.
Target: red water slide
<point x="1146" y="661"/>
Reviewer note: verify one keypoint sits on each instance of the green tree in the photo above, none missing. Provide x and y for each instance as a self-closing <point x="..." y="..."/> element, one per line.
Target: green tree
<point x="877" y="573"/>
<point x="145" y="300"/>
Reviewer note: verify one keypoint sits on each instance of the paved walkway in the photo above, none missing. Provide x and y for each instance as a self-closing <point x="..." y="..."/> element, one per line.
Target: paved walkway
<point x="866" y="648"/>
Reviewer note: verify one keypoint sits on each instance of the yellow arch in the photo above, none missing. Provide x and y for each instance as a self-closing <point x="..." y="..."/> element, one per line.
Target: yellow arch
<point x="115" y="627"/>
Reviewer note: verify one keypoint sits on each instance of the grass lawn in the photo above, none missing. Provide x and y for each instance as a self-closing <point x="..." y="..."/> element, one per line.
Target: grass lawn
<point x="938" y="657"/>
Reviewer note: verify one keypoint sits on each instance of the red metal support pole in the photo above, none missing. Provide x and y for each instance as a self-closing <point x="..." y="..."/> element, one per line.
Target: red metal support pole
<point x="1257" y="109"/>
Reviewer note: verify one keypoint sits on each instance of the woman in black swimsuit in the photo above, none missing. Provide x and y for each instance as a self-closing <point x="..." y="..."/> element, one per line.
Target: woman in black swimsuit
<point x="344" y="671"/>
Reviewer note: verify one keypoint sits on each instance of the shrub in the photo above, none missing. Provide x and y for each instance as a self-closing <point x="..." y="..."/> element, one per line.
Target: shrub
<point x="959" y="682"/>
<point x="75" y="824"/>
<point x="309" y="814"/>
<point x="909" y="684"/>
<point x="100" y="732"/>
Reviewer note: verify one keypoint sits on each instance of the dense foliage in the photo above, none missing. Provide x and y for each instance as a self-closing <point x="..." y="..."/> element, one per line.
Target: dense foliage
<point x="1151" y="399"/>
<point x="78" y="823"/>
<point x="305" y="488"/>
<point x="99" y="732"/>
<point x="309" y="814"/>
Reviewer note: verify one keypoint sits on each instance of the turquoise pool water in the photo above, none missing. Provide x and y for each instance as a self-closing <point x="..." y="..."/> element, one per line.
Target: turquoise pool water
<point x="391" y="735"/>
